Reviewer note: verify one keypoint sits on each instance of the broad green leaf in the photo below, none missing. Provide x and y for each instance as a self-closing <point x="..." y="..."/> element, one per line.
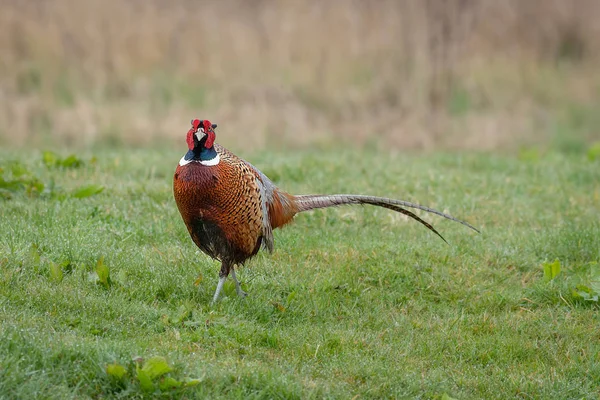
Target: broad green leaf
<point x="87" y="191"/>
<point x="586" y="293"/>
<point x="50" y="158"/>
<point x="71" y="161"/>
<point x="116" y="370"/>
<point x="103" y="273"/>
<point x="156" y="366"/>
<point x="145" y="381"/>
<point x="56" y="272"/>
<point x="34" y="254"/>
<point x="582" y="292"/>
<point x="551" y="270"/>
<point x="169" y="383"/>
<point x="290" y="297"/>
<point x="189" y="382"/>
<point x="594" y="152"/>
<point x="18" y="170"/>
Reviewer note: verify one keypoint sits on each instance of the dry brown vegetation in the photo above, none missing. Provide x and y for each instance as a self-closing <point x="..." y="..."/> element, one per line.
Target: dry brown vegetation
<point x="482" y="74"/>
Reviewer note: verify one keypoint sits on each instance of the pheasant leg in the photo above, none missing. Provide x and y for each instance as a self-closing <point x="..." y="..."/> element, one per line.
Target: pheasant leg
<point x="219" y="288"/>
<point x="238" y="288"/>
<point x="222" y="278"/>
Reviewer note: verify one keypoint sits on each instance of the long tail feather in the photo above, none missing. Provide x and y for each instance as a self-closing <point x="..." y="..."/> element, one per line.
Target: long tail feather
<point x="311" y="202"/>
<point x="416" y="218"/>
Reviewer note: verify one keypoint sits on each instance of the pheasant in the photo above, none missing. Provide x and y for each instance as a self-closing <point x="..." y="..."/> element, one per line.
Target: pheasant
<point x="230" y="208"/>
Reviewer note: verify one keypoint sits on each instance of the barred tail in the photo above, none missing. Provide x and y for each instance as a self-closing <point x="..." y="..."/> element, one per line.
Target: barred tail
<point x="311" y="202"/>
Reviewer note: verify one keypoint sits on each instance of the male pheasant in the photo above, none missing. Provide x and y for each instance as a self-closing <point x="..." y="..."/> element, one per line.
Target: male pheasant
<point x="230" y="208"/>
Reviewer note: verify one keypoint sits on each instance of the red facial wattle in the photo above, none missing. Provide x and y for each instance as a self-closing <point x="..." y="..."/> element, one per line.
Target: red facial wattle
<point x="210" y="134"/>
<point x="191" y="132"/>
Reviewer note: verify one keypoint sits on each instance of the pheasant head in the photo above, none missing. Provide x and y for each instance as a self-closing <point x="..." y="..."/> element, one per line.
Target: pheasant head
<point x="200" y="140"/>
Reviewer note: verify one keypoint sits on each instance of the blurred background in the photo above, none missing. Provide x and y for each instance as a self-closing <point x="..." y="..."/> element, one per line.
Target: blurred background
<point x="406" y="74"/>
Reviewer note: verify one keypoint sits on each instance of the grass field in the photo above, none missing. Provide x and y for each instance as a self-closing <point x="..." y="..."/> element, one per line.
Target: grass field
<point x="103" y="294"/>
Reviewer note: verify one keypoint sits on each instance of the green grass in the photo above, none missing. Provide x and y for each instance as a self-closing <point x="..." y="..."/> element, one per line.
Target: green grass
<point x="353" y="302"/>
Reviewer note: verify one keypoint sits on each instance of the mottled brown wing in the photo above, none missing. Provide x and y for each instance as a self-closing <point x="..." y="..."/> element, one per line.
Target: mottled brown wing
<point x="237" y="194"/>
<point x="278" y="207"/>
